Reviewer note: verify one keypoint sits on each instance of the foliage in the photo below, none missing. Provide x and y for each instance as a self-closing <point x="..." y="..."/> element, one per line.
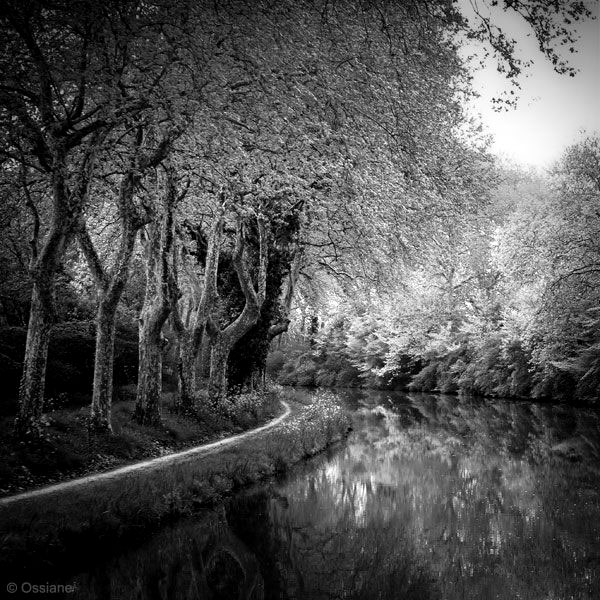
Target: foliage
<point x="500" y="301"/>
<point x="322" y="422"/>
<point x="247" y="409"/>
<point x="336" y="130"/>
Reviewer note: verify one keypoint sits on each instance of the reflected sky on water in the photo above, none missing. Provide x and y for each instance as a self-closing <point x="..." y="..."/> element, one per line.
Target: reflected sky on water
<point x="430" y="497"/>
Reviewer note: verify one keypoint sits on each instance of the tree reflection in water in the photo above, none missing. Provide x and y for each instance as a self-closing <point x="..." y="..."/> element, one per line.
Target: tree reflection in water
<point x="199" y="559"/>
<point x="432" y="497"/>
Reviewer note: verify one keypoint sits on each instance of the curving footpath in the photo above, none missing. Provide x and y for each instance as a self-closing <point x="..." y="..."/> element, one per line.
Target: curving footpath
<point x="148" y="465"/>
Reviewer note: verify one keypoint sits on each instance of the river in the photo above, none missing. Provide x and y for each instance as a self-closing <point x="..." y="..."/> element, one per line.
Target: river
<point x="430" y="497"/>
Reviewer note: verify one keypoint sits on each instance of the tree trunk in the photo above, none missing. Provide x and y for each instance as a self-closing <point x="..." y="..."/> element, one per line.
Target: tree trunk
<point x="111" y="287"/>
<point x="186" y="374"/>
<point x="198" y="339"/>
<point x="111" y="283"/>
<point x="66" y="211"/>
<point x="224" y="340"/>
<point x="152" y="318"/>
<point x="217" y="384"/>
<point x="191" y="332"/>
<point x="149" y="387"/>
<point x="31" y="389"/>
<point x="103" y="367"/>
<point x="205" y="353"/>
<point x="158" y="302"/>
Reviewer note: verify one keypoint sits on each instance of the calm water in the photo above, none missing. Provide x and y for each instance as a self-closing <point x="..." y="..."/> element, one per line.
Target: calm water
<point x="431" y="497"/>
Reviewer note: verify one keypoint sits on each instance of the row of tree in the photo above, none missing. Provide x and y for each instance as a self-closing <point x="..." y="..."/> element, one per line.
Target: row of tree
<point x="502" y="301"/>
<point x="228" y="150"/>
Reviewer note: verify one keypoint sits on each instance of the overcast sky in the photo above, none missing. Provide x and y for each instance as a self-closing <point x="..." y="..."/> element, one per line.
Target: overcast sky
<point x="553" y="109"/>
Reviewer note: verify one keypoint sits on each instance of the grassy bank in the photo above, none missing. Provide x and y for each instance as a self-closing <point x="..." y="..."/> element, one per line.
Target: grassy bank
<point x="41" y="533"/>
<point x="67" y="448"/>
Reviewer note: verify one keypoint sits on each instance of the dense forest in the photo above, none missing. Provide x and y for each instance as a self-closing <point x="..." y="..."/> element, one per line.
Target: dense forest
<point x="203" y="196"/>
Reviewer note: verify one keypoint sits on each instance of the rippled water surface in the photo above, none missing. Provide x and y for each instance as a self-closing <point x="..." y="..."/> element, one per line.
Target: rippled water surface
<point x="430" y="497"/>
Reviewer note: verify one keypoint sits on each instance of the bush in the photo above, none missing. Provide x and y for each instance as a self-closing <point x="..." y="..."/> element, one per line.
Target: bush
<point x="588" y="364"/>
<point x="12" y="349"/>
<point x="305" y="368"/>
<point x="448" y="380"/>
<point x="490" y="370"/>
<point x="275" y="363"/>
<point x="406" y="367"/>
<point x="324" y="378"/>
<point x="554" y="382"/>
<point x="321" y="423"/>
<point x="495" y="370"/>
<point x="348" y="377"/>
<point x="305" y="374"/>
<point x="426" y="379"/>
<point x="247" y="409"/>
<point x="300" y="370"/>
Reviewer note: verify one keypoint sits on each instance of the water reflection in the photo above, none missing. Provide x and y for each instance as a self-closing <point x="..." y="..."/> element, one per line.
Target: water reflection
<point x="431" y="497"/>
<point x="203" y="558"/>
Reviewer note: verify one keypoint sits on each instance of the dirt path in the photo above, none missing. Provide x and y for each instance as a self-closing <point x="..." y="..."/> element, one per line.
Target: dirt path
<point x="148" y="465"/>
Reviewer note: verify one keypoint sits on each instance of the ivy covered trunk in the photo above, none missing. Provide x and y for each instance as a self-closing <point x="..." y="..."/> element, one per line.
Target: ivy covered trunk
<point x="31" y="388"/>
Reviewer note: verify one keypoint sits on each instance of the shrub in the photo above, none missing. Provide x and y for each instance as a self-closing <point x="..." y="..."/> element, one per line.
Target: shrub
<point x="300" y="370"/>
<point x="554" y="382"/>
<point x="325" y="378"/>
<point x="275" y="363"/>
<point x="348" y="377"/>
<point x="305" y="375"/>
<point x="486" y="372"/>
<point x="426" y="378"/>
<point x="321" y="423"/>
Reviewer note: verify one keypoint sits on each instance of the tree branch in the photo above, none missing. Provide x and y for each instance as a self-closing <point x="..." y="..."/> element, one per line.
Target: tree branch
<point x="91" y="255"/>
<point x="278" y="328"/>
<point x="211" y="266"/>
<point x="34" y="213"/>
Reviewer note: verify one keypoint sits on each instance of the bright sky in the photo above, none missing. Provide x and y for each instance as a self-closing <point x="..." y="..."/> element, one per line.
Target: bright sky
<point x="554" y="110"/>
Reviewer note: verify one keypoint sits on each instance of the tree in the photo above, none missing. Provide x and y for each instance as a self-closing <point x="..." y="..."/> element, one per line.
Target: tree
<point x="78" y="72"/>
<point x="351" y="110"/>
<point x="50" y="121"/>
<point x="191" y="331"/>
<point x="111" y="282"/>
<point x="247" y="361"/>
<point x="224" y="338"/>
<point x="158" y="240"/>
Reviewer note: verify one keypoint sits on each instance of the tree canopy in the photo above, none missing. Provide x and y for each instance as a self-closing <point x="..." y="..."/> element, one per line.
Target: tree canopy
<point x="217" y="173"/>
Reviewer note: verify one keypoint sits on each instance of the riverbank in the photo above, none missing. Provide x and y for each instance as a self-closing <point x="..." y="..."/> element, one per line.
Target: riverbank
<point x="57" y="528"/>
<point x="67" y="449"/>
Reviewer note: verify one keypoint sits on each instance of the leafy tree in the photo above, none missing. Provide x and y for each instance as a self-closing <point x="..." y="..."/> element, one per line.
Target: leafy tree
<point x="132" y="217"/>
<point x="338" y="135"/>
